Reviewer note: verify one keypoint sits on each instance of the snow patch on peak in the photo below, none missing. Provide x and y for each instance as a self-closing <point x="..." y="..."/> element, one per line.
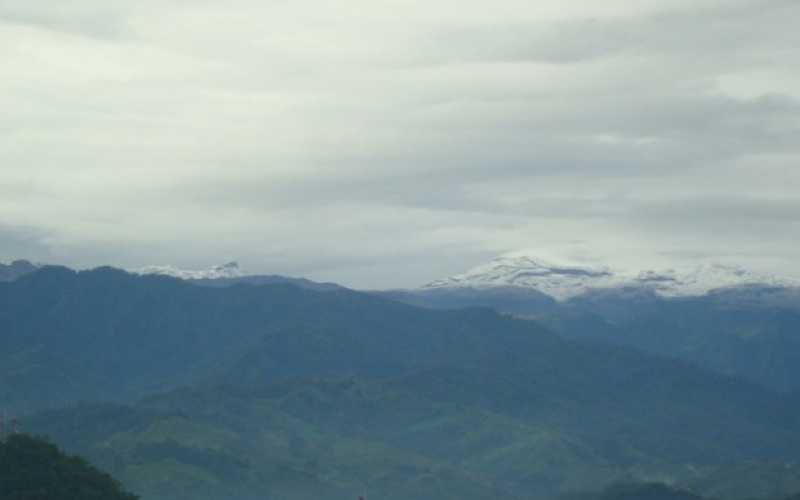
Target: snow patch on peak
<point x="229" y="270"/>
<point x="558" y="280"/>
<point x="565" y="280"/>
<point x="703" y="278"/>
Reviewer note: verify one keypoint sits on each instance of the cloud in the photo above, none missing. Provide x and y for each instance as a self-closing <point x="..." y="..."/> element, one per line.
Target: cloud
<point x="79" y="18"/>
<point x="389" y="143"/>
<point x="23" y="241"/>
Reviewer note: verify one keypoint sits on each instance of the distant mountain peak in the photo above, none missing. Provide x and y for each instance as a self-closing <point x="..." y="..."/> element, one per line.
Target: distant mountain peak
<point x="16" y="269"/>
<point x="228" y="270"/>
<point x="565" y="280"/>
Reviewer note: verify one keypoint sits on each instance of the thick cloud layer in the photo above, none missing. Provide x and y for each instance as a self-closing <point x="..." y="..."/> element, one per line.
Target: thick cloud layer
<point x="391" y="143"/>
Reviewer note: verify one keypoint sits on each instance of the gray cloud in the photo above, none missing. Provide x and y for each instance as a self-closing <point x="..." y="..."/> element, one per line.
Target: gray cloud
<point x="83" y="19"/>
<point x="17" y="242"/>
<point x="389" y="145"/>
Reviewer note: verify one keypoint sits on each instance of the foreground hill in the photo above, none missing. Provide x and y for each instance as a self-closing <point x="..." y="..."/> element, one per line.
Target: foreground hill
<point x="337" y="438"/>
<point x="33" y="469"/>
<point x="213" y="444"/>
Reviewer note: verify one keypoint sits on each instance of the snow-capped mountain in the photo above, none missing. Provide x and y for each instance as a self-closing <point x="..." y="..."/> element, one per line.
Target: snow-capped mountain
<point x="231" y="274"/>
<point x="565" y="281"/>
<point x="229" y="270"/>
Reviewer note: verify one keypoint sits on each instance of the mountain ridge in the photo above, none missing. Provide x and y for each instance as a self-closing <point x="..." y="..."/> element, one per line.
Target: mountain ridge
<point x="509" y="274"/>
<point x="230" y="274"/>
<point x="17" y="269"/>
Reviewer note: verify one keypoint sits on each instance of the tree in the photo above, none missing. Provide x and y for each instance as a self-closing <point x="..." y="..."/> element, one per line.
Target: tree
<point x="34" y="469"/>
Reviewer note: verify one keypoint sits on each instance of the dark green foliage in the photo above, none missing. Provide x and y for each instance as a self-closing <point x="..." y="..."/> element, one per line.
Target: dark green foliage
<point x="302" y="440"/>
<point x="33" y="469"/>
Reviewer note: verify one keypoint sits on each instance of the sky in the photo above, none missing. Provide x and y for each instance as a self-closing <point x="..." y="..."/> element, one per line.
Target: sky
<point x="388" y="143"/>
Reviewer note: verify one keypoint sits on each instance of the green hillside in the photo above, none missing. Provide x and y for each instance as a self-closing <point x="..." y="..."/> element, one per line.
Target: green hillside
<point x="33" y="469"/>
<point x="319" y="438"/>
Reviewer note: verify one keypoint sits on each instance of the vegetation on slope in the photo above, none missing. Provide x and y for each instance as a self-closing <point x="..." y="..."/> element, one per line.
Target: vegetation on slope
<point x="323" y="438"/>
<point x="33" y="469"/>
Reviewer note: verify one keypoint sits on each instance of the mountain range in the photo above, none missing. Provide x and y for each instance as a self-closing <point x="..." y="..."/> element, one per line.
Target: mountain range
<point x="229" y="270"/>
<point x="720" y="317"/>
<point x="561" y="281"/>
<point x="511" y="272"/>
<point x="567" y="281"/>
<point x="245" y="387"/>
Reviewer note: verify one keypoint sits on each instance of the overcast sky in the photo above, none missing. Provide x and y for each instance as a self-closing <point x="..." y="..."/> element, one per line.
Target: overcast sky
<point x="383" y="143"/>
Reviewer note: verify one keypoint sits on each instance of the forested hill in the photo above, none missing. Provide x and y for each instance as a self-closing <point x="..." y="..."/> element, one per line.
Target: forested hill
<point x="33" y="469"/>
<point x="107" y="335"/>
